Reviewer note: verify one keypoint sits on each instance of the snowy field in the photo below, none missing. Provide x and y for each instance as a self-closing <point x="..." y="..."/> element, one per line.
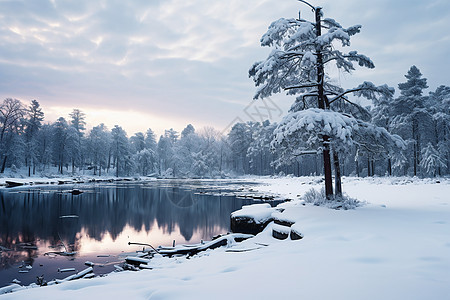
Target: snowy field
<point x="396" y="246"/>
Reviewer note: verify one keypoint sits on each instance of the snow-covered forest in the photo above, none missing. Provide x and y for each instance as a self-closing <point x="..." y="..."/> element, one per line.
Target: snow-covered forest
<point x="195" y="222"/>
<point x="30" y="144"/>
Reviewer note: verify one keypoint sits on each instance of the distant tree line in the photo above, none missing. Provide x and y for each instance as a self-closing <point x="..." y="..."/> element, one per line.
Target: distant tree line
<point x="26" y="142"/>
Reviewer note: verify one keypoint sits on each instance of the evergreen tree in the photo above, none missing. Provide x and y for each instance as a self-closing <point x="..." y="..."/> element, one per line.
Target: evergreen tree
<point x="60" y="134"/>
<point x="296" y="65"/>
<point x="239" y="140"/>
<point x="412" y="119"/>
<point x="165" y="153"/>
<point x="432" y="160"/>
<point x="438" y="105"/>
<point x="99" y="144"/>
<point x="34" y="119"/>
<point x="120" y="150"/>
<point x="77" y="122"/>
<point x="150" y="140"/>
<point x="137" y="142"/>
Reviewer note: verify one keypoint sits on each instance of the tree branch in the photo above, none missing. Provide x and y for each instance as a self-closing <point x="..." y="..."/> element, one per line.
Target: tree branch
<point x="312" y="84"/>
<point x="344" y="93"/>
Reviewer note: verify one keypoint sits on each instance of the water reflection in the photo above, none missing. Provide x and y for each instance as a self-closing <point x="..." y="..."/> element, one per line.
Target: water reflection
<point x="105" y="217"/>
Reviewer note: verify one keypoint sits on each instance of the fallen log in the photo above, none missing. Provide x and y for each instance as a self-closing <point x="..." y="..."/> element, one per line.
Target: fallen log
<point x="13" y="183"/>
<point x="192" y="250"/>
<point x="136" y="261"/>
<point x="78" y="275"/>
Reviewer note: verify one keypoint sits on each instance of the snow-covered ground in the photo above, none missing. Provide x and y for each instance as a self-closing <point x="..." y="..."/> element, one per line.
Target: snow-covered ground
<point x="397" y="246"/>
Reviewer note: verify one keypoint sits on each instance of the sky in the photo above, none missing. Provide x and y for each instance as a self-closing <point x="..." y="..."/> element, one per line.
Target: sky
<point x="164" y="64"/>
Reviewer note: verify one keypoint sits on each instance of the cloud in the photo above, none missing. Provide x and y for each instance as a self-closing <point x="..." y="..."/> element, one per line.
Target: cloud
<point x="188" y="60"/>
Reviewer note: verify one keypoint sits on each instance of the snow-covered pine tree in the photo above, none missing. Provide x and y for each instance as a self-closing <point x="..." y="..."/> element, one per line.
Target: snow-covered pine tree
<point x="59" y="143"/>
<point x="412" y="120"/>
<point x="78" y="122"/>
<point x="439" y="106"/>
<point x="259" y="150"/>
<point x="120" y="149"/>
<point x="33" y="120"/>
<point x="239" y="139"/>
<point x="296" y="66"/>
<point x="99" y="142"/>
<point x="137" y="142"/>
<point x="431" y="160"/>
<point x="164" y="151"/>
<point x="150" y="140"/>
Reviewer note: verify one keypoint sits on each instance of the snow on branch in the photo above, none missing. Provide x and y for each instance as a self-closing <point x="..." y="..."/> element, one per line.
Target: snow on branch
<point x="352" y="30"/>
<point x="313" y="123"/>
<point x="334" y="34"/>
<point x="367" y="90"/>
<point x="301" y="131"/>
<point x="301" y="86"/>
<point x="331" y="22"/>
<point x="287" y="31"/>
<point x="361" y="59"/>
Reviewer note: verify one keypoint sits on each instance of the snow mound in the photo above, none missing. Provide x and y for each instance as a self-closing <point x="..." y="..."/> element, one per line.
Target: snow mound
<point x="260" y="213"/>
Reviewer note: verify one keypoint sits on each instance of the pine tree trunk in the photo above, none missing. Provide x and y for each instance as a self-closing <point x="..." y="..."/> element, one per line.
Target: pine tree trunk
<point x="61" y="167"/>
<point x="416" y="145"/>
<point x="109" y="162"/>
<point x="337" y="176"/>
<point x="389" y="167"/>
<point x="4" y="164"/>
<point x="321" y="104"/>
<point x="316" y="170"/>
<point x="327" y="168"/>
<point x="117" y="166"/>
<point x="220" y="163"/>
<point x="261" y="163"/>
<point x="415" y="159"/>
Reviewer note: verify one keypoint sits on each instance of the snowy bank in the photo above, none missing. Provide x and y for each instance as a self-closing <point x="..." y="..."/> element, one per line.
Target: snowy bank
<point x="397" y="246"/>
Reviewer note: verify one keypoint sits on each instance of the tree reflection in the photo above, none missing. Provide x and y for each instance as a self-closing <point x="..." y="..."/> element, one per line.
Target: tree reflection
<point x="35" y="214"/>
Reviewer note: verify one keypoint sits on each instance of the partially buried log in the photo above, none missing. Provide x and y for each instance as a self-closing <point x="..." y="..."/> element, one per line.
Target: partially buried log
<point x="13" y="183"/>
<point x="192" y="250"/>
<point x="189" y="250"/>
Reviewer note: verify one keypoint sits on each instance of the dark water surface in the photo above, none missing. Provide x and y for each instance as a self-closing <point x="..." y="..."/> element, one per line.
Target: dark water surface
<point x="99" y="223"/>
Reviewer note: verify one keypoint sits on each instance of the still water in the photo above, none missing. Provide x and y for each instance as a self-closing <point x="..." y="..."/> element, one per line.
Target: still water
<point x="37" y="223"/>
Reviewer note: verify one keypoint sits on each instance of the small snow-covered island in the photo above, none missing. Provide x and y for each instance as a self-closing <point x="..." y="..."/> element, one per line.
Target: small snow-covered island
<point x="322" y="184"/>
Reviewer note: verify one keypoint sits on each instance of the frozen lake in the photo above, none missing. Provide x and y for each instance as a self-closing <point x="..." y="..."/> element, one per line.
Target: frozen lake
<point x="36" y="222"/>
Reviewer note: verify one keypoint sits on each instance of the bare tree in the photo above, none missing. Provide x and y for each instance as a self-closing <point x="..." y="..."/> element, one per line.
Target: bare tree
<point x="11" y="113"/>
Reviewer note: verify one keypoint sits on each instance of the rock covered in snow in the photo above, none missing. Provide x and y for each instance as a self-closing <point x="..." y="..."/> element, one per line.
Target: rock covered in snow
<point x="252" y="219"/>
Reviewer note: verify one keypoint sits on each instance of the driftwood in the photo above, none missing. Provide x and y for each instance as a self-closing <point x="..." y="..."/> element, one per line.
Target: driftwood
<point x="62" y="253"/>
<point x="136" y="261"/>
<point x="194" y="249"/>
<point x="79" y="275"/>
<point x="182" y="250"/>
<point x="13" y="183"/>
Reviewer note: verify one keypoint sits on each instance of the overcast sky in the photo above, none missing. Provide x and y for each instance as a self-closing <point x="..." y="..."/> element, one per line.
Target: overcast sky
<point x="163" y="64"/>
